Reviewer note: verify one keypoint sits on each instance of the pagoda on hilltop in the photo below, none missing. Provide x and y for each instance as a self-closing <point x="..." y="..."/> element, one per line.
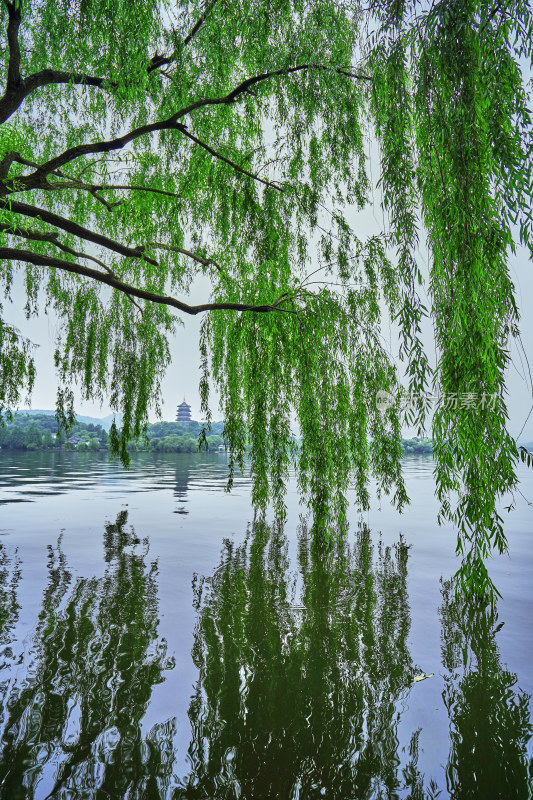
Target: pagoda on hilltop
<point x="183" y="413"/>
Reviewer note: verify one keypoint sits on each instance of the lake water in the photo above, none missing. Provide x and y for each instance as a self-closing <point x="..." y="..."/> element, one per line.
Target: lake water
<point x="157" y="644"/>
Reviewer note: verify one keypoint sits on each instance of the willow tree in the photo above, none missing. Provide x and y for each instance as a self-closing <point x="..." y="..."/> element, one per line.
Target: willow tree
<point x="146" y="143"/>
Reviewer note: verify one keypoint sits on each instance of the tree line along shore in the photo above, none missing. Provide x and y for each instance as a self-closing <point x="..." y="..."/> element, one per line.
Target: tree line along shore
<point x="40" y="432"/>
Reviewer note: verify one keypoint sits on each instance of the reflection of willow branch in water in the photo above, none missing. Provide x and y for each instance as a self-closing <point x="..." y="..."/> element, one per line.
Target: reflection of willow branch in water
<point x="74" y="721"/>
<point x="9" y="607"/>
<point x="490" y="724"/>
<point x="9" y="612"/>
<point x="297" y="699"/>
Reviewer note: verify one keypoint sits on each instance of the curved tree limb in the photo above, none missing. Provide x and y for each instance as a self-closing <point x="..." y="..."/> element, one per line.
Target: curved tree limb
<point x="11" y="101"/>
<point x="13" y="25"/>
<point x="244" y="86"/>
<point x="51" y="238"/>
<point x="13" y="254"/>
<point x="72" y="153"/>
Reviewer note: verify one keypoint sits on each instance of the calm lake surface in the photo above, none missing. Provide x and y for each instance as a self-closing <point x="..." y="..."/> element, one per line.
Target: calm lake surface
<point x="156" y="644"/>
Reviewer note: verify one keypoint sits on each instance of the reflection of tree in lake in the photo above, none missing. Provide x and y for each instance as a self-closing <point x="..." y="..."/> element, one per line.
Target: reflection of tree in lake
<point x="9" y="608"/>
<point x="9" y="611"/>
<point x="490" y="724"/>
<point x="297" y="699"/>
<point x="74" y="721"/>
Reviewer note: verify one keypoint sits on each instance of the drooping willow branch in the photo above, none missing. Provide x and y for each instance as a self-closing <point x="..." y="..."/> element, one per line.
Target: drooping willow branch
<point x="236" y="167"/>
<point x="171" y="123"/>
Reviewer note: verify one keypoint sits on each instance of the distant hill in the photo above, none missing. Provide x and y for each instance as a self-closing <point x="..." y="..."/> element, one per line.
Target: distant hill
<point x="161" y="431"/>
<point x="104" y="422"/>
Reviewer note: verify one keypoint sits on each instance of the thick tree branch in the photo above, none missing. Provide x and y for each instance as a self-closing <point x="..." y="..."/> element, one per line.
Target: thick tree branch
<point x="14" y="157"/>
<point x="50" y="238"/>
<point x="15" y="95"/>
<point x="158" y="61"/>
<point x="76" y="230"/>
<point x="99" y="147"/>
<point x="9" y="158"/>
<point x="48" y="76"/>
<point x="13" y="25"/>
<point x="196" y="27"/>
<point x="12" y="254"/>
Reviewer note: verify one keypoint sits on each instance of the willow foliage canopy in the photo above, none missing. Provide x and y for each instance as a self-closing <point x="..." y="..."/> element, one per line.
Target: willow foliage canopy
<point x="145" y="143"/>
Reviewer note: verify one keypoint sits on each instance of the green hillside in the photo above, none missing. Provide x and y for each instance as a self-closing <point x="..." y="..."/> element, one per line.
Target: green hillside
<point x="39" y="431"/>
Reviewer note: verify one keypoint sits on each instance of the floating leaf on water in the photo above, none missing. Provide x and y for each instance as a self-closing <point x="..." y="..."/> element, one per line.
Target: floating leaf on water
<point x="422" y="676"/>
